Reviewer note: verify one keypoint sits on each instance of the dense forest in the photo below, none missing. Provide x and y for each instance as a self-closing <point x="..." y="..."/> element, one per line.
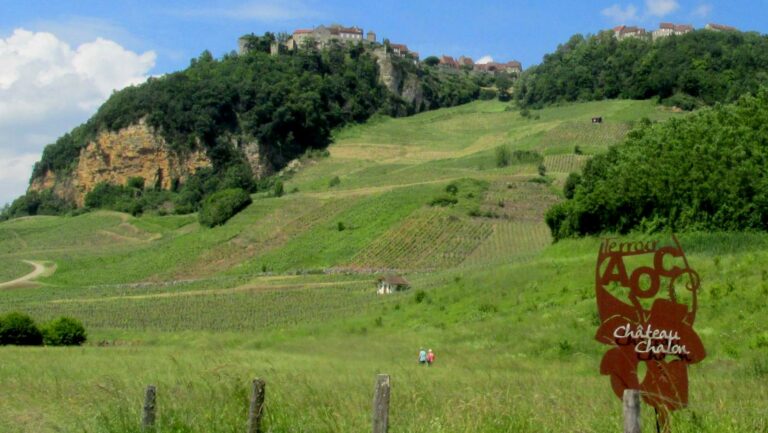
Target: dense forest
<point x="706" y="171"/>
<point x="699" y="68"/>
<point x="289" y="103"/>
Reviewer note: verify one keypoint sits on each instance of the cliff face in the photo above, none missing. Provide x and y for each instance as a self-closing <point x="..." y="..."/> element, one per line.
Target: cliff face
<point x="404" y="84"/>
<point x="115" y="157"/>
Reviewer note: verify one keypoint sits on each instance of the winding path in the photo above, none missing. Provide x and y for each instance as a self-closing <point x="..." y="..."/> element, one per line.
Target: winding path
<point x="39" y="270"/>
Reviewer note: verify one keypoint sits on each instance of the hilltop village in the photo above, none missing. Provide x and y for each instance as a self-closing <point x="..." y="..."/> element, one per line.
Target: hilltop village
<point x="664" y="30"/>
<point x="322" y="36"/>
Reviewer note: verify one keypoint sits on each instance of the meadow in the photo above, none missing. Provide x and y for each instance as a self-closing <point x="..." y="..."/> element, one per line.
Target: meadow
<point x="285" y="291"/>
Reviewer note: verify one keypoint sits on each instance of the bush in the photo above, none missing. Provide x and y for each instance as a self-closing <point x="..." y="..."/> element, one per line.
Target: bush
<point x="443" y="201"/>
<point x="503" y="156"/>
<point x="219" y="207"/>
<point x="135" y="183"/>
<point x="488" y="94"/>
<point x="419" y="296"/>
<point x="19" y="329"/>
<point x="571" y="183"/>
<point x="64" y="331"/>
<point x="279" y="189"/>
<point x="334" y="182"/>
<point x="683" y="101"/>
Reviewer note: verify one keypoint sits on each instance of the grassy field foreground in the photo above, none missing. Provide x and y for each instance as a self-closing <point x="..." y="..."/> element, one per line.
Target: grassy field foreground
<point x="281" y="293"/>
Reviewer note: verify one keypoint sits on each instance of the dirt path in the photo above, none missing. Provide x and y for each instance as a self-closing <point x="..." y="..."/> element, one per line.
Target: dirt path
<point x="40" y="270"/>
<point x="208" y="292"/>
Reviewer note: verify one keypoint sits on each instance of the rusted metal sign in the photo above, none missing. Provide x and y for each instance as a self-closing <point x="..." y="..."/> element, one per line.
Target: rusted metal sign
<point x="647" y="302"/>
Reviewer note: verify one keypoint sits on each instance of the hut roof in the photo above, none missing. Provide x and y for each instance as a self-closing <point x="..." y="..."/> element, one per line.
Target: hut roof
<point x="394" y="280"/>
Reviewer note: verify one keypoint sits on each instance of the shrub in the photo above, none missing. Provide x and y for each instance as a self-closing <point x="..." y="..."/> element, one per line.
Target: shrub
<point x="503" y="156"/>
<point x="64" y="331"/>
<point x="571" y="183"/>
<point x="542" y="170"/>
<point x="279" y="189"/>
<point x="340" y="226"/>
<point x="488" y="94"/>
<point x="135" y="182"/>
<point x="223" y="205"/>
<point x="19" y="329"/>
<point x="452" y="188"/>
<point x="683" y="101"/>
<point x="443" y="201"/>
<point x="526" y="156"/>
<point x="334" y="182"/>
<point x="419" y="296"/>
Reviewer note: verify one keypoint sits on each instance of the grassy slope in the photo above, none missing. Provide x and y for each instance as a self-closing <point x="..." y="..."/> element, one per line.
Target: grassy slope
<point x="511" y="318"/>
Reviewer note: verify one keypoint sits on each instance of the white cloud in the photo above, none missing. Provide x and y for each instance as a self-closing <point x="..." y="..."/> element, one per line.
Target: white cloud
<point x="702" y="11"/>
<point x="259" y="10"/>
<point x="483" y="60"/>
<point x="47" y="87"/>
<point x="621" y="15"/>
<point x="661" y="8"/>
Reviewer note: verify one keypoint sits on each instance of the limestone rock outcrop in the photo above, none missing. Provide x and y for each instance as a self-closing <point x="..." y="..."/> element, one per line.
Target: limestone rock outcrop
<point x="114" y="157"/>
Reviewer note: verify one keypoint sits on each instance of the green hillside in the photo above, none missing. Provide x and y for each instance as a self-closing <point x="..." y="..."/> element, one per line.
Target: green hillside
<point x="285" y="291"/>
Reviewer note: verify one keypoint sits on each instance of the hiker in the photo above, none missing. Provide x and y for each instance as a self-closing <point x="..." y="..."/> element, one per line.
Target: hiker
<point x="423" y="357"/>
<point x="430" y="357"/>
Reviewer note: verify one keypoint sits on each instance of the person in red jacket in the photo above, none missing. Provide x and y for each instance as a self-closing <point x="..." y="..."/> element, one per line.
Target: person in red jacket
<point x="430" y="357"/>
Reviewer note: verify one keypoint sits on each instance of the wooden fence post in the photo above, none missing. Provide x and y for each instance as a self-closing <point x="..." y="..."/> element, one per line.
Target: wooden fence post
<point x="257" y="406"/>
<point x="381" y="404"/>
<point x="631" y="404"/>
<point x="148" y="414"/>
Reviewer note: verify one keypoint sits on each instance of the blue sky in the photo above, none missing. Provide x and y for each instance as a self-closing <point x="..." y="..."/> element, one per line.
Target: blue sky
<point x="110" y="44"/>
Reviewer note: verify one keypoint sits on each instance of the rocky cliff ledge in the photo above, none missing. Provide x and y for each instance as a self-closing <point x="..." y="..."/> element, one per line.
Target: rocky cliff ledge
<point x="114" y="157"/>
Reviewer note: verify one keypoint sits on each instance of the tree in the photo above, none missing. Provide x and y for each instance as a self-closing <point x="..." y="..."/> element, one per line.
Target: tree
<point x="64" y="331"/>
<point x="431" y="61"/>
<point x="19" y="329"/>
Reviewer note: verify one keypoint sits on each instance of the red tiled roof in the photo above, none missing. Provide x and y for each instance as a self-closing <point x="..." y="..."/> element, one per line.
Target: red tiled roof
<point x="721" y="27"/>
<point x="395" y="280"/>
<point x="667" y="26"/>
<point x="302" y="32"/>
<point x="399" y="47"/>
<point x="355" y="30"/>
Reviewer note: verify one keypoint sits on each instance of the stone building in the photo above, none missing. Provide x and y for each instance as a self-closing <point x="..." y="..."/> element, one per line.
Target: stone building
<point x="720" y="27"/>
<point x="511" y="67"/>
<point x="391" y="283"/>
<point x="466" y="61"/>
<point x="624" y="32"/>
<point x="449" y="62"/>
<point x="322" y="35"/>
<point x="669" y="29"/>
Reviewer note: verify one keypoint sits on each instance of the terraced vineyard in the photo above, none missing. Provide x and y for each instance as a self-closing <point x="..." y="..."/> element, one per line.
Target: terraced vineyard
<point x="518" y="200"/>
<point x="247" y="308"/>
<point x="429" y="239"/>
<point x="510" y="241"/>
<point x="566" y="163"/>
<point x="589" y="137"/>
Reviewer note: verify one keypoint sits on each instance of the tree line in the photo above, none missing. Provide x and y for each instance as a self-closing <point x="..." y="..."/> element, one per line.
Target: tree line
<point x="699" y="68"/>
<point x="702" y="172"/>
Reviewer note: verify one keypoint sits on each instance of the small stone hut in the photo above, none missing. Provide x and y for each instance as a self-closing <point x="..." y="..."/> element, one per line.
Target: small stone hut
<point x="391" y="283"/>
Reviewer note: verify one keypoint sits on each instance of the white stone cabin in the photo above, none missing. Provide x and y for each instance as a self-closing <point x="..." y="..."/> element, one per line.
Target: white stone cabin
<point x="624" y="32"/>
<point x="669" y="29"/>
<point x="390" y="284"/>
